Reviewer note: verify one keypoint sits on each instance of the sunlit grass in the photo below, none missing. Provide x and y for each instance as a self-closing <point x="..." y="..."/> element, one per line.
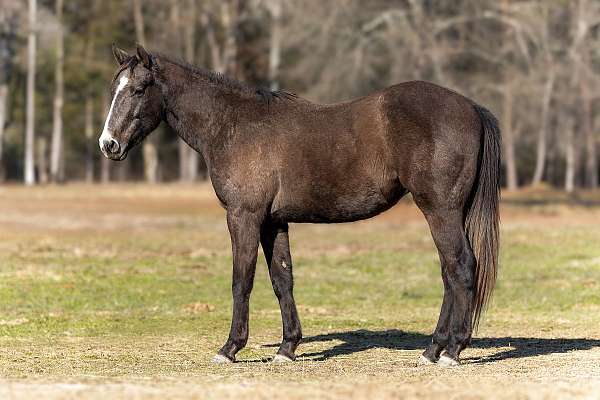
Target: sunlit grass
<point x="145" y="290"/>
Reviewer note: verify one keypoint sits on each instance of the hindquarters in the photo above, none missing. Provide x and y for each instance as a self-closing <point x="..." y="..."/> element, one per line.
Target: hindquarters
<point x="448" y="152"/>
<point x="435" y="134"/>
<point x="452" y="166"/>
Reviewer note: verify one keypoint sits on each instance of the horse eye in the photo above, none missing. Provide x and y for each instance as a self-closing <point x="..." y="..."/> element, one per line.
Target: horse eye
<point x="139" y="91"/>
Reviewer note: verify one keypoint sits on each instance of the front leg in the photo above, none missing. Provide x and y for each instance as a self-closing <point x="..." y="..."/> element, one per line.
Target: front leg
<point x="244" y="228"/>
<point x="276" y="246"/>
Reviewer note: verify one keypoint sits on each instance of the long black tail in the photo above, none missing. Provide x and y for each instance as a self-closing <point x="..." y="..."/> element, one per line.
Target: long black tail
<point x="483" y="218"/>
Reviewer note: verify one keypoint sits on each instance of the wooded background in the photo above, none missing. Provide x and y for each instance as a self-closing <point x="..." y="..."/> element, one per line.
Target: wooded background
<point x="534" y="63"/>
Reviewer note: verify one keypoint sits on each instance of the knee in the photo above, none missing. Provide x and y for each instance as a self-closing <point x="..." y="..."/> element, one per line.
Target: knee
<point x="282" y="279"/>
<point x="241" y="291"/>
<point x="281" y="266"/>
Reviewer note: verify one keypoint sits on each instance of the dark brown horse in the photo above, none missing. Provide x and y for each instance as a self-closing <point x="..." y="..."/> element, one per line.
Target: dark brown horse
<point x="274" y="158"/>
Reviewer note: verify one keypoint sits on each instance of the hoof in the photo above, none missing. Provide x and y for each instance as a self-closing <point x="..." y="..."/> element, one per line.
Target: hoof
<point x="221" y="359"/>
<point x="446" y="361"/>
<point x="424" y="360"/>
<point x="280" y="359"/>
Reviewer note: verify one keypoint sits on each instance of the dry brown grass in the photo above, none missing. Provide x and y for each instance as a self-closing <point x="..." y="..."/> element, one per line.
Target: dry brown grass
<point x="59" y="340"/>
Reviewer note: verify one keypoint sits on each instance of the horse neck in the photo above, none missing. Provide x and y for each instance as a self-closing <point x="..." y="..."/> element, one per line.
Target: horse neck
<point x="198" y="110"/>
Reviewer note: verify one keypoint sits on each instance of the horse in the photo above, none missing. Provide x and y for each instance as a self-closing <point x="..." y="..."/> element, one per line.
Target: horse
<point x="274" y="158"/>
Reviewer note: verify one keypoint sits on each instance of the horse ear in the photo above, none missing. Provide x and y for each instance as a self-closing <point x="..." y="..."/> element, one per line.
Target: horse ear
<point x="120" y="55"/>
<point x="143" y="56"/>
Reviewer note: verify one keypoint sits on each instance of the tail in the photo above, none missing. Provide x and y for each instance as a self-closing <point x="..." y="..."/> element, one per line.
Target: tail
<point x="482" y="218"/>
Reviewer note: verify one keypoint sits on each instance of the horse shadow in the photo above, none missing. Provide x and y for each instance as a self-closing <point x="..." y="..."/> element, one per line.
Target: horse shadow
<point x="511" y="347"/>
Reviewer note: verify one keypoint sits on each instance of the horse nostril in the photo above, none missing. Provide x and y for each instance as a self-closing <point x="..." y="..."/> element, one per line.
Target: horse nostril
<point x="111" y="146"/>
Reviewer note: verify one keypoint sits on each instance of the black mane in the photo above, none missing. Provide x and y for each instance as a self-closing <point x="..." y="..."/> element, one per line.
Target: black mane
<point x="247" y="90"/>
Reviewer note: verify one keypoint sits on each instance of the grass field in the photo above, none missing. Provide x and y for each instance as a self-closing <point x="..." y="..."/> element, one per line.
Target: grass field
<point x="124" y="292"/>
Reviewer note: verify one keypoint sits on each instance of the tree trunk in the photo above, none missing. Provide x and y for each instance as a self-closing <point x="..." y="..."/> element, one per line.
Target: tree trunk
<point x="189" y="35"/>
<point x="177" y="30"/>
<point x="30" y="119"/>
<point x="591" y="163"/>
<point x="229" y="15"/>
<point x="543" y="133"/>
<point x="122" y="171"/>
<point x="182" y="150"/>
<point x="213" y="45"/>
<point x="211" y="40"/>
<point x="42" y="159"/>
<point x="579" y="53"/>
<point x="105" y="170"/>
<point x="56" y="157"/>
<point x="571" y="159"/>
<point x="508" y="139"/>
<point x="275" y="8"/>
<point x="553" y="154"/>
<point x="223" y="57"/>
<point x="3" y="112"/>
<point x="149" y="149"/>
<point x="89" y="143"/>
<point x="138" y="19"/>
<point x="9" y="27"/>
<point x="150" y="161"/>
<point x="507" y="113"/>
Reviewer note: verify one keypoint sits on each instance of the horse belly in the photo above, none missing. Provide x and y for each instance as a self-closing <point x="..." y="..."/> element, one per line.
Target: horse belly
<point x="342" y="203"/>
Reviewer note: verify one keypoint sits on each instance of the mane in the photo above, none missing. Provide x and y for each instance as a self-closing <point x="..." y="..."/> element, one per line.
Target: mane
<point x="130" y="63"/>
<point x="230" y="84"/>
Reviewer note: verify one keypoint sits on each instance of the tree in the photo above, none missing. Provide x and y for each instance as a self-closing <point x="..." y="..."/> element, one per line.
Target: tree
<point x="541" y="148"/>
<point x="183" y="29"/>
<point x="533" y="63"/>
<point x="276" y="10"/>
<point x="189" y="35"/>
<point x="3" y="115"/>
<point x="549" y="71"/>
<point x="149" y="147"/>
<point x="30" y="121"/>
<point x="9" y="23"/>
<point x="508" y="135"/>
<point x="56" y="155"/>
<point x="580" y="53"/>
<point x="42" y="159"/>
<point x="89" y="95"/>
<point x="223" y="53"/>
<point x="89" y="133"/>
<point x="570" y="155"/>
<point x="508" y="132"/>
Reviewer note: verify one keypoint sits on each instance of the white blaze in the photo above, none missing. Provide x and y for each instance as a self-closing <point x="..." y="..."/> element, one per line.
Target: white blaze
<point x="106" y="134"/>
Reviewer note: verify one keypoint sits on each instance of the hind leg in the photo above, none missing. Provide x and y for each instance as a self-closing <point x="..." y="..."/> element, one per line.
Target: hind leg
<point x="454" y="328"/>
<point x="439" y="339"/>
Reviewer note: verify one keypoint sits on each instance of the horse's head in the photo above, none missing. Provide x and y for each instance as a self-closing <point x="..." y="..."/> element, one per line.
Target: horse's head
<point x="135" y="110"/>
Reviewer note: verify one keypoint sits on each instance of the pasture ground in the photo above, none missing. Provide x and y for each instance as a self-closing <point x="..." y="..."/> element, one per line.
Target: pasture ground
<point x="123" y="291"/>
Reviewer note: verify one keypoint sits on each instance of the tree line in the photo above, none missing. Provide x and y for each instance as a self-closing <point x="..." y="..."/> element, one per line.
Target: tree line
<point x="535" y="63"/>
